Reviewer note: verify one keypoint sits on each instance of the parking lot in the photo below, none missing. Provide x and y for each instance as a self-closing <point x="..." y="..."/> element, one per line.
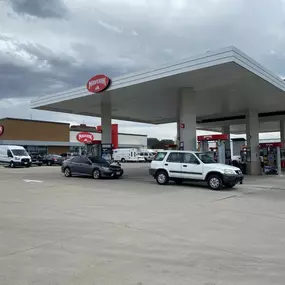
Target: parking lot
<point x="57" y="230"/>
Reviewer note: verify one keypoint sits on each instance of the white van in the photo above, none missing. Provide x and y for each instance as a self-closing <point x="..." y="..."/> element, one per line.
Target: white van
<point x="125" y="154"/>
<point x="11" y="155"/>
<point x="147" y="154"/>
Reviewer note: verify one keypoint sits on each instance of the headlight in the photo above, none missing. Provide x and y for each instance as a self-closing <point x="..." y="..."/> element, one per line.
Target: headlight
<point x="105" y="168"/>
<point x="229" y="171"/>
<point x="17" y="158"/>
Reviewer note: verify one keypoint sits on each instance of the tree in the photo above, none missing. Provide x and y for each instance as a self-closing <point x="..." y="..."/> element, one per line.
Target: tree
<point x="151" y="142"/>
<point x="167" y="142"/>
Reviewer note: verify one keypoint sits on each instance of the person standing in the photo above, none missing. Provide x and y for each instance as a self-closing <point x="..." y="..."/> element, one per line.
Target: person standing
<point x="261" y="163"/>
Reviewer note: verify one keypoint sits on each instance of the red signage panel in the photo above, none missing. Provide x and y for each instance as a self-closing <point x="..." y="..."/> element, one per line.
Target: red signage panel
<point x="85" y="137"/>
<point x="222" y="137"/>
<point x="98" y="83"/>
<point x="1" y="130"/>
<point x="273" y="144"/>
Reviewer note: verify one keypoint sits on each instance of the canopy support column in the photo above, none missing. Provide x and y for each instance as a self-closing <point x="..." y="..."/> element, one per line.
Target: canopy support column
<point x="252" y="138"/>
<point x="186" y="119"/>
<point x="106" y="119"/>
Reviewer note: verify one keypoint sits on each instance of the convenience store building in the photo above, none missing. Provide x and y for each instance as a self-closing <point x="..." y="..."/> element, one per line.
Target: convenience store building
<point x="56" y="138"/>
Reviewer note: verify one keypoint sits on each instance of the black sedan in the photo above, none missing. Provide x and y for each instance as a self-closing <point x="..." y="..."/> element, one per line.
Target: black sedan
<point x="52" y="159"/>
<point x="95" y="167"/>
<point x="36" y="159"/>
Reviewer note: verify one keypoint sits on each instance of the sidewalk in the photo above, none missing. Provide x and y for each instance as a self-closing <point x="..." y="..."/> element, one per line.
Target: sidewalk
<point x="266" y="181"/>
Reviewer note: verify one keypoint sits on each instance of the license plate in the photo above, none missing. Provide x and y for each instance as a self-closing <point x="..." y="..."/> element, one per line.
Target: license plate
<point x="118" y="172"/>
<point x="25" y="162"/>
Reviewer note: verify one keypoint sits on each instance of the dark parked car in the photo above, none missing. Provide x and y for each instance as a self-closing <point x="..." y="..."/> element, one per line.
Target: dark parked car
<point x="52" y="159"/>
<point x="96" y="167"/>
<point x="36" y="159"/>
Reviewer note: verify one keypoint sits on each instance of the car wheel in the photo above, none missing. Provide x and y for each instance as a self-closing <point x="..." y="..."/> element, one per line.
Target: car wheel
<point x="40" y="164"/>
<point x="67" y="172"/>
<point x="49" y="163"/>
<point x="215" y="182"/>
<point x="96" y="174"/>
<point x="123" y="160"/>
<point x="12" y="164"/>
<point x="162" y="177"/>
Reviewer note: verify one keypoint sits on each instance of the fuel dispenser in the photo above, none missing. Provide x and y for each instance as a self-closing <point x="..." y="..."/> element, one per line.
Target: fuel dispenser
<point x="245" y="157"/>
<point x="272" y="158"/>
<point x="219" y="152"/>
<point x="96" y="148"/>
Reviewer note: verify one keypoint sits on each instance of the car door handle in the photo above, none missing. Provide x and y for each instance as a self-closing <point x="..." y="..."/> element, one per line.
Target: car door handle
<point x="184" y="165"/>
<point x="166" y="164"/>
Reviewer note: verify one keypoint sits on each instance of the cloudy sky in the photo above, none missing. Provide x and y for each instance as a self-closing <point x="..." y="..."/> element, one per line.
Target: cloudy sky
<point x="52" y="45"/>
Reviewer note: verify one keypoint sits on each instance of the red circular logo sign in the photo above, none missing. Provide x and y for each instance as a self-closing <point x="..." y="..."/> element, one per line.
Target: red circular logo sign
<point x="98" y="83"/>
<point x="1" y="130"/>
<point x="85" y="137"/>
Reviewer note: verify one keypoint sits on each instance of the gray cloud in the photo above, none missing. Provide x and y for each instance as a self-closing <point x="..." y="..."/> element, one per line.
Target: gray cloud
<point x="40" y="8"/>
<point x="47" y="72"/>
<point x="40" y="54"/>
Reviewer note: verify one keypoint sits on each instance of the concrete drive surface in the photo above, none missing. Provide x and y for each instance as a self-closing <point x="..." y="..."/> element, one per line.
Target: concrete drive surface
<point x="65" y="231"/>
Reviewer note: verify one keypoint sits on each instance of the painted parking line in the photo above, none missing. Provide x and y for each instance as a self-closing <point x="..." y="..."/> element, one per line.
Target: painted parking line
<point x="33" y="181"/>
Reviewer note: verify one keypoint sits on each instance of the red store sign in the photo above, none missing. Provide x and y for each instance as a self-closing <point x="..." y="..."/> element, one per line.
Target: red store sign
<point x="1" y="130"/>
<point x="85" y="137"/>
<point x="98" y="83"/>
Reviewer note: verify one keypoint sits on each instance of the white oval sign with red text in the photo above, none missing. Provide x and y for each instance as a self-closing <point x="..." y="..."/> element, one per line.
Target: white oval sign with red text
<point x="85" y="137"/>
<point x="98" y="83"/>
<point x="1" y="130"/>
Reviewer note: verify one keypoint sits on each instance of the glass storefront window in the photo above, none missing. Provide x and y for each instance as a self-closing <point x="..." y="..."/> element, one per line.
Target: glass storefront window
<point x="42" y="150"/>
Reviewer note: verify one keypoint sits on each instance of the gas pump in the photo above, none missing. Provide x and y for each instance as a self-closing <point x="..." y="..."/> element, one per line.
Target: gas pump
<point x="96" y="148"/>
<point x="107" y="151"/>
<point x="214" y="153"/>
<point x="272" y="158"/>
<point x="245" y="157"/>
<point x="219" y="152"/>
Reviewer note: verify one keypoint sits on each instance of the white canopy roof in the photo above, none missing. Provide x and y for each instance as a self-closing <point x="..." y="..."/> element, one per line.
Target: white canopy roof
<point x="226" y="82"/>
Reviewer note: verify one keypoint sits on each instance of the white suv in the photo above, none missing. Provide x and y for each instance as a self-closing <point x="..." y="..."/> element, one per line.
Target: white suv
<point x="182" y="166"/>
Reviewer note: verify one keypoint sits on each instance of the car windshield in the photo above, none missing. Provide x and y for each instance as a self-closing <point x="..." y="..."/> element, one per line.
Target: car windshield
<point x="19" y="152"/>
<point x="98" y="159"/>
<point x="205" y="157"/>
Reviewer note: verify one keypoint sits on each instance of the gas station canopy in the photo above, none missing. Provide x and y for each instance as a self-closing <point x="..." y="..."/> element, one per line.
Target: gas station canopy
<point x="226" y="84"/>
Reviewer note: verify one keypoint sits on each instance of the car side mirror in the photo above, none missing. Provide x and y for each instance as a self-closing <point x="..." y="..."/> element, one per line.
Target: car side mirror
<point x="197" y="162"/>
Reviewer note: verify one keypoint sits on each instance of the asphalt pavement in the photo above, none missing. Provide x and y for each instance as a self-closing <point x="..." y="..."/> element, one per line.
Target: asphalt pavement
<point x="57" y="230"/>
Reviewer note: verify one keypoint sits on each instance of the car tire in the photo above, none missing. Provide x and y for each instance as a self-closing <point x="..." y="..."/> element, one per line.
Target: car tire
<point x="161" y="177"/>
<point x="12" y="164"/>
<point x="49" y="163"/>
<point x="215" y="182"/>
<point x="67" y="172"/>
<point x="123" y="160"/>
<point x="40" y="164"/>
<point x="96" y="174"/>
